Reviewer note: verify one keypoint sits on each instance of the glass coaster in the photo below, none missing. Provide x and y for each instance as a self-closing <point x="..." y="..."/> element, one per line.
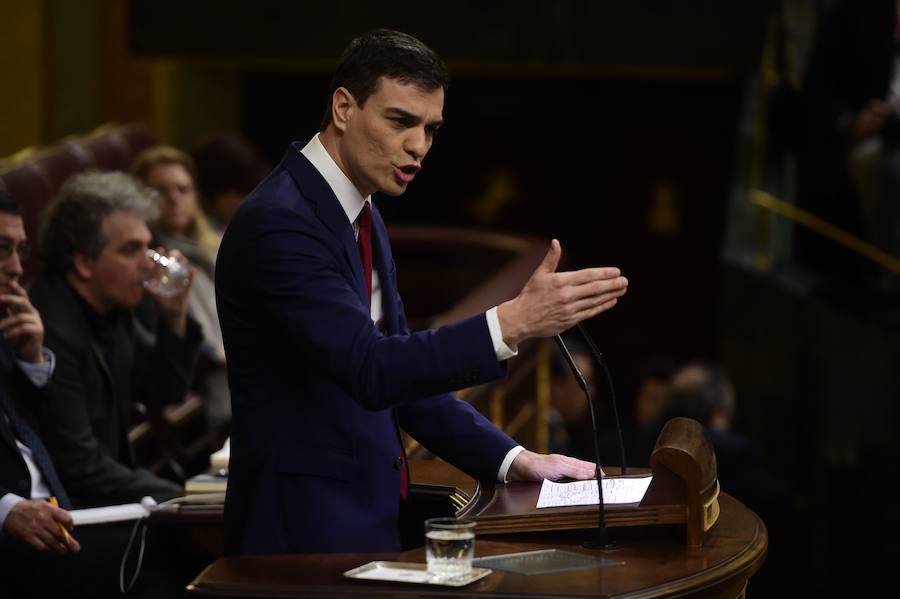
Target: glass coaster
<point x="545" y="561"/>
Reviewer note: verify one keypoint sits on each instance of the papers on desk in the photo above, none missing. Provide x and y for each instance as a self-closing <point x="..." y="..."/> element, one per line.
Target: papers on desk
<point x="584" y="492"/>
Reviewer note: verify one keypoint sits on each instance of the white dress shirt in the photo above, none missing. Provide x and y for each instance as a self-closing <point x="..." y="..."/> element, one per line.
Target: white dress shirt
<point x="352" y="202"/>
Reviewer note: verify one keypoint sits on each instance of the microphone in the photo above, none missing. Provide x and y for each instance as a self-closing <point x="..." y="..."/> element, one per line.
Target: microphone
<point x="598" y="358"/>
<point x="600" y="541"/>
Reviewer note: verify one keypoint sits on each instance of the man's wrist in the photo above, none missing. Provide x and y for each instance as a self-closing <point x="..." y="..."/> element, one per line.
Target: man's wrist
<point x="512" y="334"/>
<point x="501" y="349"/>
<point x="7" y="503"/>
<point x="503" y="473"/>
<point x="177" y="324"/>
<point x="39" y="372"/>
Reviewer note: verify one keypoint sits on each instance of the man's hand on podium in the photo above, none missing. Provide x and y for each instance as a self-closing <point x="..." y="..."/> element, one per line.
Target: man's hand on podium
<point x="530" y="466"/>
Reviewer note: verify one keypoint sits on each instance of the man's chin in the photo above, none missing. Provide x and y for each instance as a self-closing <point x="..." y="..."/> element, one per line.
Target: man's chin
<point x="394" y="189"/>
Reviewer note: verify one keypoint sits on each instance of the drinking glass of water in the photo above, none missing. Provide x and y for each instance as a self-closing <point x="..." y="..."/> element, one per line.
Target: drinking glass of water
<point x="449" y="547"/>
<point x="169" y="276"/>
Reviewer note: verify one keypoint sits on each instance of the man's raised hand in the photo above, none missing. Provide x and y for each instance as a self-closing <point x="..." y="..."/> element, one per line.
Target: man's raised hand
<point x="552" y="302"/>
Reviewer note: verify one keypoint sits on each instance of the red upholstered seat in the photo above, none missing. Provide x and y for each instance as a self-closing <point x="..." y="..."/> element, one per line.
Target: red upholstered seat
<point x="34" y="179"/>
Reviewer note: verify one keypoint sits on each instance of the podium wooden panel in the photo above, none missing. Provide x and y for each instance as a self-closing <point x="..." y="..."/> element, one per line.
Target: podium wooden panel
<point x="684" y="491"/>
<point x="655" y="563"/>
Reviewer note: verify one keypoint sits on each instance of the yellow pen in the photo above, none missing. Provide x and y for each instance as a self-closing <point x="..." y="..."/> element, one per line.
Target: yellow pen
<point x="62" y="528"/>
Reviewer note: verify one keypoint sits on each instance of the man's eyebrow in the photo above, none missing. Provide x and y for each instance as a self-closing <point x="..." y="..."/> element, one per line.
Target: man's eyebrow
<point x="130" y="244"/>
<point x="412" y="118"/>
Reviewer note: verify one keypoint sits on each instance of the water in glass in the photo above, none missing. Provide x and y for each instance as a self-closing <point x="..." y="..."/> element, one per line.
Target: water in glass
<point x="449" y="547"/>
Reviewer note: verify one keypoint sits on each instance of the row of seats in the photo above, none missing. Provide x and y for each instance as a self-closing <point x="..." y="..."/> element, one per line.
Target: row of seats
<point x="34" y="175"/>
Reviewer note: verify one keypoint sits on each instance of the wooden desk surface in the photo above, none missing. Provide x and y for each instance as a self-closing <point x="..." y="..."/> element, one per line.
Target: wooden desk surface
<point x="656" y="563"/>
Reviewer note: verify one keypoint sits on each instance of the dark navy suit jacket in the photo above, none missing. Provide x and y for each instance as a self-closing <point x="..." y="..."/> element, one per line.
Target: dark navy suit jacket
<point x="14" y="475"/>
<point x="318" y="391"/>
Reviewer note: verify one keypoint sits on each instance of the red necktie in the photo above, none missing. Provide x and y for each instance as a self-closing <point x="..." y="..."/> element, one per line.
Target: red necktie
<point x="364" y="241"/>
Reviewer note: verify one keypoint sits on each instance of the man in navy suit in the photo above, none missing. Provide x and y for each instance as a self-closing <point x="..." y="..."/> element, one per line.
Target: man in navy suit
<point x="322" y="368"/>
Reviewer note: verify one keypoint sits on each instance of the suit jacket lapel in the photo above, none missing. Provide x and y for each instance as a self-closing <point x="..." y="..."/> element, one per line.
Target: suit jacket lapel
<point x="382" y="261"/>
<point x="314" y="187"/>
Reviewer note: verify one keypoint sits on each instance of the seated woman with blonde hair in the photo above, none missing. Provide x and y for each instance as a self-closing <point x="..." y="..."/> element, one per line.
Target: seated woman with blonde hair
<point x="183" y="226"/>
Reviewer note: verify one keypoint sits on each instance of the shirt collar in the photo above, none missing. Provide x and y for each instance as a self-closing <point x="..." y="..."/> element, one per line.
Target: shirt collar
<point x="349" y="197"/>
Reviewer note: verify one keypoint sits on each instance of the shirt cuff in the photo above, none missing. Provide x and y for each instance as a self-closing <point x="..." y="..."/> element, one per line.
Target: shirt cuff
<point x="507" y="462"/>
<point x="503" y="351"/>
<point x="7" y="502"/>
<point x="39" y="374"/>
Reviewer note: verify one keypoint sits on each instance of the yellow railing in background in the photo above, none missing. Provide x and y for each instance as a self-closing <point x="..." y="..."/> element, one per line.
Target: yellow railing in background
<point x="825" y="229"/>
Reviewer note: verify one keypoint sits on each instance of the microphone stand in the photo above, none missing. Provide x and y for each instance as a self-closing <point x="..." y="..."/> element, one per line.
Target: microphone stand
<point x="601" y="538"/>
<point x="598" y="357"/>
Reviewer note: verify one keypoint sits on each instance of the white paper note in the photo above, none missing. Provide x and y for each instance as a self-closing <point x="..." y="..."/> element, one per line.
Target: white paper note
<point x="584" y="492"/>
<point x="109" y="513"/>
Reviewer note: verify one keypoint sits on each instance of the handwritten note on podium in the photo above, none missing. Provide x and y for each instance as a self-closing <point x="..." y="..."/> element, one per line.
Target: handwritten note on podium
<point x="584" y="492"/>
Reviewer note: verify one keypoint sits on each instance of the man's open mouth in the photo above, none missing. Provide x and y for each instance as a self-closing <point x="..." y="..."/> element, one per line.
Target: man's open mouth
<point x="407" y="172"/>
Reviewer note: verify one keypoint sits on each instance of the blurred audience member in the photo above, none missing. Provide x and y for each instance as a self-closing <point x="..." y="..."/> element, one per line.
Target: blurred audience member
<point x="41" y="552"/>
<point x="652" y="391"/>
<point x="228" y="168"/>
<point x="704" y="392"/>
<point x="94" y="241"/>
<point x="181" y="221"/>
<point x="183" y="226"/>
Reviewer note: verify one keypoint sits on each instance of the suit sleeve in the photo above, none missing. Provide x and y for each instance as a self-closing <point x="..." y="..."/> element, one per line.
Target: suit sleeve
<point x="454" y="430"/>
<point x="300" y="281"/>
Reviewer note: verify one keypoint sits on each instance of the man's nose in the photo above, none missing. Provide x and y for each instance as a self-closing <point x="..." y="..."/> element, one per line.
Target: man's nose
<point x="417" y="143"/>
<point x="12" y="266"/>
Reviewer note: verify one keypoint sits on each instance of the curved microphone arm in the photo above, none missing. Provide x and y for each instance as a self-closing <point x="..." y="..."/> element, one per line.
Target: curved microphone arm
<point x="579" y="378"/>
<point x="598" y="357"/>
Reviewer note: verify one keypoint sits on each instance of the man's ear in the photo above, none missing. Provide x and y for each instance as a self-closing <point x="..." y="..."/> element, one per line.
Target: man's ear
<point x="83" y="266"/>
<point x="342" y="107"/>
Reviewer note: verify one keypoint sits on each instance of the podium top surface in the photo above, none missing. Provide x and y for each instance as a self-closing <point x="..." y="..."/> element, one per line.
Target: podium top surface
<point x="655" y="563"/>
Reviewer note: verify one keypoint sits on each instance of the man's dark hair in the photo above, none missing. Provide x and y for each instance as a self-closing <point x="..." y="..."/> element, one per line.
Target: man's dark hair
<point x="702" y="395"/>
<point x="385" y="53"/>
<point x="8" y="205"/>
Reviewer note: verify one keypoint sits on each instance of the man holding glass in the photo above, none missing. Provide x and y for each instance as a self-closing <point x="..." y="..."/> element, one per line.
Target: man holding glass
<point x="322" y="367"/>
<point x="112" y="347"/>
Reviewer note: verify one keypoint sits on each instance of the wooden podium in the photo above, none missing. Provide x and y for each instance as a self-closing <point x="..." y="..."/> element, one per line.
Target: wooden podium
<point x="684" y="491"/>
<point x="724" y="547"/>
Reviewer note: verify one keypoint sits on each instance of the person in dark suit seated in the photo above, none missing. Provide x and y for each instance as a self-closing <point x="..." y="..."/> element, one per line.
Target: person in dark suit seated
<point x="324" y="372"/>
<point x="39" y="552"/>
<point x="94" y="239"/>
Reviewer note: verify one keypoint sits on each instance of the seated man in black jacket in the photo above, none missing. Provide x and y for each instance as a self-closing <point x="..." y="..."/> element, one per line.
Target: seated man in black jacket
<point x="94" y="242"/>
<point x="39" y="553"/>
